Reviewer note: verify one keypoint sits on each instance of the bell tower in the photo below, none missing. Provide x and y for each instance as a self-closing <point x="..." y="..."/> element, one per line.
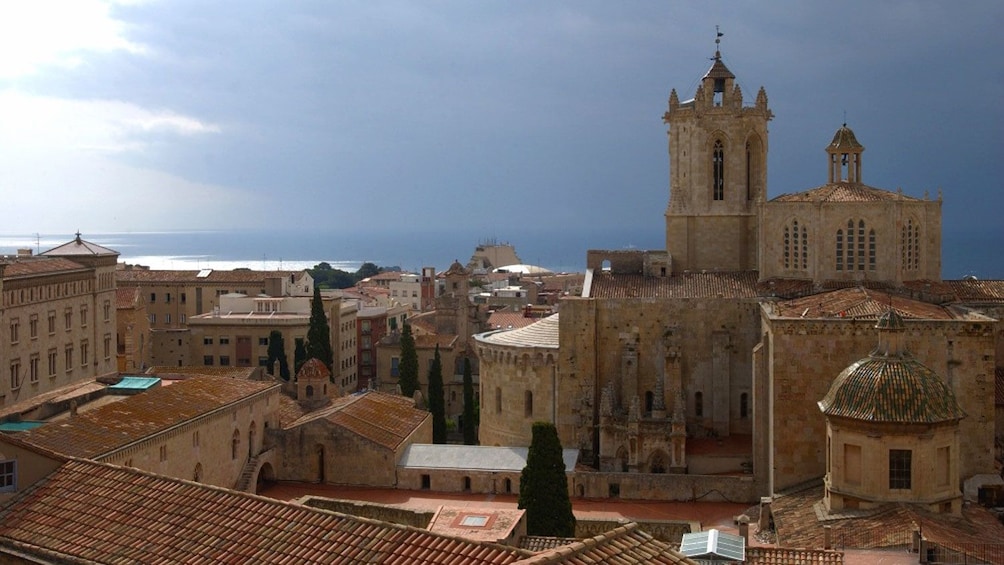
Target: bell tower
<point x="718" y="174"/>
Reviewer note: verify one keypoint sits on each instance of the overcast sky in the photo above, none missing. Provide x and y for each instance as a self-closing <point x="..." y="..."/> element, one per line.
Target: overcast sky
<point x="140" y="116"/>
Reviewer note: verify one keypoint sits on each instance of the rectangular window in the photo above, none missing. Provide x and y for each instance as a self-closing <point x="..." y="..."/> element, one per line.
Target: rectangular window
<point x="84" y="353"/>
<point x="8" y="475"/>
<point x="107" y="309"/>
<point x="52" y="322"/>
<point x="207" y="360"/>
<point x="263" y="361"/>
<point x="68" y="357"/>
<point x="15" y="374"/>
<point x="153" y="319"/>
<point x="14" y="330"/>
<point x="153" y="297"/>
<point x="108" y="346"/>
<point x="224" y="340"/>
<point x="167" y="298"/>
<point x="262" y="341"/>
<point x="224" y="360"/>
<point x="33" y="365"/>
<point x="167" y="319"/>
<point x="83" y="316"/>
<point x="33" y="326"/>
<point x="207" y="341"/>
<point x="52" y="362"/>
<point x="182" y="297"/>
<point x="181" y="318"/>
<point x="900" y="465"/>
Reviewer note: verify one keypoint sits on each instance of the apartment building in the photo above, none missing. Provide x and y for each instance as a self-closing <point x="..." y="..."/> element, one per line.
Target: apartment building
<point x="57" y="314"/>
<point x="373" y="323"/>
<point x="237" y="334"/>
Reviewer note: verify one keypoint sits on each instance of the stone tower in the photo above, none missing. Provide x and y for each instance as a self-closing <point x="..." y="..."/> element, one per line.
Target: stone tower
<point x="718" y="174"/>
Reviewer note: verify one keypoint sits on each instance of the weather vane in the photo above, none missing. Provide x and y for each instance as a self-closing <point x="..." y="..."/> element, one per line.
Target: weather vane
<point x="718" y="42"/>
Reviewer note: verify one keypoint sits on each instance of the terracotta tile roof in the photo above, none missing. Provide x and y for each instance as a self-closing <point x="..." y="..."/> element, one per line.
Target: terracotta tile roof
<point x="729" y="284"/>
<point x="626" y="545"/>
<point x="313" y="369"/>
<point x="542" y="333"/>
<point x="96" y="432"/>
<point x="384" y="419"/>
<point x="538" y="544"/>
<point x="796" y="519"/>
<point x="785" y="288"/>
<point x="125" y="276"/>
<point x="170" y="372"/>
<point x="978" y="291"/>
<point x="431" y="341"/>
<point x="40" y="266"/>
<point x="95" y="512"/>
<point x="758" y="555"/>
<point x="859" y="303"/>
<point x="126" y="298"/>
<point x="80" y="247"/>
<point x="844" y="192"/>
<point x="289" y="410"/>
<point x="508" y="319"/>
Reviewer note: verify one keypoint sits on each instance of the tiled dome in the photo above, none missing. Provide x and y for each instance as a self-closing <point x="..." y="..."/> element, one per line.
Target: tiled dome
<point x="895" y="389"/>
<point x="844" y="139"/>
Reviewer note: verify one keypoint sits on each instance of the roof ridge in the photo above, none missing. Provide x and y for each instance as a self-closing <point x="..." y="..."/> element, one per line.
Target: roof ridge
<point x="582" y="545"/>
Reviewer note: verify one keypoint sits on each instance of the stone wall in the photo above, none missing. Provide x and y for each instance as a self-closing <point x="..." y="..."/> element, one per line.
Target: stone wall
<point x="665" y="487"/>
<point x="669" y="531"/>
<point x="806" y="355"/>
<point x="459" y="480"/>
<point x="384" y="513"/>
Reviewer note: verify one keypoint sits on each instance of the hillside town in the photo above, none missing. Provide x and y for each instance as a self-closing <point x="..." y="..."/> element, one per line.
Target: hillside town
<point x="789" y="381"/>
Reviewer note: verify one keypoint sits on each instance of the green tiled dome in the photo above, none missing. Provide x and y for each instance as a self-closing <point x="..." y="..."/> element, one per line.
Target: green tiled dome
<point x="893" y="389"/>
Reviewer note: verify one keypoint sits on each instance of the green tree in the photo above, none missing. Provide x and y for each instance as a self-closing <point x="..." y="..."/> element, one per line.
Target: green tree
<point x="319" y="334"/>
<point x="277" y="352"/>
<point x="367" y="270"/>
<point x="299" y="356"/>
<point x="408" y="366"/>
<point x="470" y="420"/>
<point x="437" y="400"/>
<point x="543" y="486"/>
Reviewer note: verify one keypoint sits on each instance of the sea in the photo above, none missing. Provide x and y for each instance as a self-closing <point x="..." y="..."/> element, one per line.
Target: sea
<point x="560" y="250"/>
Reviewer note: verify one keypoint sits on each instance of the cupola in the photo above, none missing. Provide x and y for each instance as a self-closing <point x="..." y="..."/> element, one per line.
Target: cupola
<point x="845" y="156"/>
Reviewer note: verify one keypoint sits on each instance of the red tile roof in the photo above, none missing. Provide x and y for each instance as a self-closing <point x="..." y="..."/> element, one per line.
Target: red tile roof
<point x="844" y="192"/>
<point x="94" y="512"/>
<point x="626" y="545"/>
<point x="978" y="291"/>
<point x="860" y="303"/>
<point x="730" y="284"/>
<point x="384" y="419"/>
<point x="104" y="429"/>
<point x="170" y="372"/>
<point x="40" y="266"/>
<point x="126" y="298"/>
<point x="126" y="276"/>
<point x="504" y="319"/>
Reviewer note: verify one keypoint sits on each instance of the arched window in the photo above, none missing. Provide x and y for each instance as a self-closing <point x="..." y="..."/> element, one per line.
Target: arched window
<point x="871" y="250"/>
<point x="310" y="391"/>
<point x="749" y="172"/>
<point x="796" y="246"/>
<point x="787" y="247"/>
<point x="910" y="246"/>
<point x="699" y="404"/>
<point x="235" y="444"/>
<point x="649" y="400"/>
<point x="840" y="250"/>
<point x="718" y="166"/>
<point x="861" y="245"/>
<point x="528" y="404"/>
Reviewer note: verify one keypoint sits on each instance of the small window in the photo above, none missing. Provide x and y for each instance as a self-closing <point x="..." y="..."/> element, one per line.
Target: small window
<point x="900" y="466"/>
<point x="207" y="360"/>
<point x="153" y="297"/>
<point x="167" y="318"/>
<point x="207" y="341"/>
<point x="699" y="404"/>
<point x="224" y="340"/>
<point x="426" y="482"/>
<point x="528" y="404"/>
<point x="8" y="475"/>
<point x="262" y="341"/>
<point x="224" y="360"/>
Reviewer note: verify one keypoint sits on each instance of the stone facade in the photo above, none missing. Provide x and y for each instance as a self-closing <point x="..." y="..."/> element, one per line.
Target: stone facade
<point x="57" y="315"/>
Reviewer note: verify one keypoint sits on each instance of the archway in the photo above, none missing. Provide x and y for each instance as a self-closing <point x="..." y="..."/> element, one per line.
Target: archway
<point x="657" y="463"/>
<point x="197" y="475"/>
<point x="266" y="475"/>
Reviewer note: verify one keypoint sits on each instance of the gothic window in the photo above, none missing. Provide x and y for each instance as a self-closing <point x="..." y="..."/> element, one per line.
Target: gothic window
<point x="840" y="250"/>
<point x="871" y="250"/>
<point x="861" y="245"/>
<point x="718" y="164"/>
<point x="796" y="247"/>
<point x="910" y="246"/>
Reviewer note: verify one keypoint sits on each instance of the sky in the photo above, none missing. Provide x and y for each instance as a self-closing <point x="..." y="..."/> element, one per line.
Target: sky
<point x="507" y="115"/>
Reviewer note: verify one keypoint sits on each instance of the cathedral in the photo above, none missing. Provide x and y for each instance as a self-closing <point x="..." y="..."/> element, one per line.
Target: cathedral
<point x="711" y="357"/>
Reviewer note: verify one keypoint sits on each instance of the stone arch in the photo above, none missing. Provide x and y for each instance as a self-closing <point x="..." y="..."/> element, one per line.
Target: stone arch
<point x="265" y="475"/>
<point x="197" y="474"/>
<point x="235" y="443"/>
<point x="622" y="458"/>
<point x="754" y="167"/>
<point x="658" y="462"/>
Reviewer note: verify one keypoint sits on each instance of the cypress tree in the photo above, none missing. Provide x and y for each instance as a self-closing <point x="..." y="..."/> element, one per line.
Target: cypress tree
<point x="437" y="401"/>
<point x="470" y="423"/>
<point x="299" y="356"/>
<point x="408" y="365"/>
<point x="277" y="352"/>
<point x="543" y="486"/>
<point x="319" y="334"/>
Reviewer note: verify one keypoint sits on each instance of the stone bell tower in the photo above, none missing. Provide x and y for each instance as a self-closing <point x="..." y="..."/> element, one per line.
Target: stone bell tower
<point x="718" y="174"/>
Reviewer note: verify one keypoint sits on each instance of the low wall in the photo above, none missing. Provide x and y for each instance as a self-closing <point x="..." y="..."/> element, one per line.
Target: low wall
<point x="665" y="487"/>
<point x="392" y="514"/>
<point x="669" y="531"/>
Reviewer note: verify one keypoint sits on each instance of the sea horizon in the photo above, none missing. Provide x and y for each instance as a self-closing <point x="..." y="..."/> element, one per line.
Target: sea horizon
<point x="963" y="254"/>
